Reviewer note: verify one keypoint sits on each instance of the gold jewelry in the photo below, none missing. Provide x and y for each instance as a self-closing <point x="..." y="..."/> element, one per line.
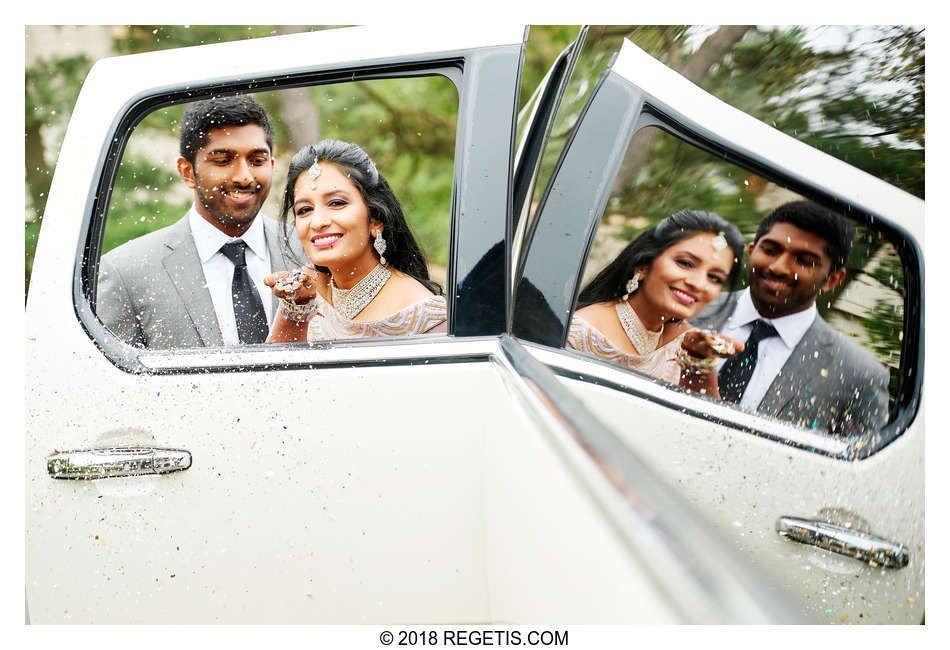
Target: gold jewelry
<point x="644" y="341"/>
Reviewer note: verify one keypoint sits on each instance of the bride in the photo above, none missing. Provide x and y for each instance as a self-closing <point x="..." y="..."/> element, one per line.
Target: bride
<point x="368" y="276"/>
<point x="634" y="312"/>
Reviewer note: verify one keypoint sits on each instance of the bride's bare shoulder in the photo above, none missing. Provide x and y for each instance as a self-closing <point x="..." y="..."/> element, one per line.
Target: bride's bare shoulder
<point x="598" y="315"/>
<point x="408" y="288"/>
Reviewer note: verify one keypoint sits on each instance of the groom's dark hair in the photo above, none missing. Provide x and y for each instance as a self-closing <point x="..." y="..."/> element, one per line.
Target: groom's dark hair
<point x="202" y="116"/>
<point x="836" y="230"/>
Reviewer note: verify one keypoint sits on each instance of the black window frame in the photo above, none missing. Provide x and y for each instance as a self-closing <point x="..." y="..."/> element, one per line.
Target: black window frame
<point x="475" y="308"/>
<point x="546" y="290"/>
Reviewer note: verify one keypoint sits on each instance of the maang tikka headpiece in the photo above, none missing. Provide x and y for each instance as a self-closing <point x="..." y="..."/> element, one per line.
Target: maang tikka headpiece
<point x="314" y="171"/>
<point x="719" y="242"/>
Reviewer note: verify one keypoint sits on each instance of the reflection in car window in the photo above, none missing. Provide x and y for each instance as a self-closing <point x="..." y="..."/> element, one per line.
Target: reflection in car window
<point x="831" y="359"/>
<point x="599" y="44"/>
<point x="161" y="256"/>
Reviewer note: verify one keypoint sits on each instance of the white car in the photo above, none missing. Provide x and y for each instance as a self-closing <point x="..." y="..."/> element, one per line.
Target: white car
<point x="483" y="476"/>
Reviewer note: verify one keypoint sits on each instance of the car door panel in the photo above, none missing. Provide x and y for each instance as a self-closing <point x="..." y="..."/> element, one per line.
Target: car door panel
<point x="287" y="512"/>
<point x="745" y="483"/>
<point x="743" y="470"/>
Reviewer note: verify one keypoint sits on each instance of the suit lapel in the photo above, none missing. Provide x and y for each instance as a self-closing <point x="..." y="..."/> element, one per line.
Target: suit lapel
<point x="278" y="256"/>
<point x="810" y="356"/>
<point x="184" y="269"/>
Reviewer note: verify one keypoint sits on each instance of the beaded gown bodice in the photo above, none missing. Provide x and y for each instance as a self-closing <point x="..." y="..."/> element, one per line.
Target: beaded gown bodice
<point x="423" y="317"/>
<point x="661" y="363"/>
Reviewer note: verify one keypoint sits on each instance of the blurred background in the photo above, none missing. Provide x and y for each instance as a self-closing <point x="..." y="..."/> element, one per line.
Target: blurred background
<point x="856" y="93"/>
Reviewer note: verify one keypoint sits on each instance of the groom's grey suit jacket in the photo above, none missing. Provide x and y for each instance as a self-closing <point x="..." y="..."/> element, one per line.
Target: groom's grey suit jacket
<point x="829" y="382"/>
<point x="152" y="291"/>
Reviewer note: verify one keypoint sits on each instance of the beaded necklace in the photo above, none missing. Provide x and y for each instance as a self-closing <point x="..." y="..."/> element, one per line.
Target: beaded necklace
<point x="350" y="302"/>
<point x="644" y="341"/>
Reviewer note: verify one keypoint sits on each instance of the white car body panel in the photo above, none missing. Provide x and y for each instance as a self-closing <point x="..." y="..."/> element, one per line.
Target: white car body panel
<point x="393" y="520"/>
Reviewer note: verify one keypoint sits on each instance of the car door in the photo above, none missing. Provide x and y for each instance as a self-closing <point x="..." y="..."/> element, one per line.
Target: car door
<point x="267" y="483"/>
<point x="840" y="521"/>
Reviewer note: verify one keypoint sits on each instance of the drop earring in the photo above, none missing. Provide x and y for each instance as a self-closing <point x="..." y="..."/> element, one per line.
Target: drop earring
<point x="632" y="284"/>
<point x="380" y="245"/>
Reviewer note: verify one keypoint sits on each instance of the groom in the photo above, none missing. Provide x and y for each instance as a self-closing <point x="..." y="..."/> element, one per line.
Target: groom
<point x="200" y="281"/>
<point x="795" y="366"/>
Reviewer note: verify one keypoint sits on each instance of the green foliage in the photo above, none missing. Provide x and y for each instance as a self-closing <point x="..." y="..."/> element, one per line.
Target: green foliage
<point x="32" y="235"/>
<point x="52" y="86"/>
<point x="148" y="38"/>
<point x="862" y="103"/>
<point x="545" y="44"/>
<point x="883" y="325"/>
<point x="140" y="202"/>
<point x="890" y="273"/>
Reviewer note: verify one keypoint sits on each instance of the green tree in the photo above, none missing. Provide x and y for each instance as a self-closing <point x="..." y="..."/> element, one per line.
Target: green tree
<point x="51" y="88"/>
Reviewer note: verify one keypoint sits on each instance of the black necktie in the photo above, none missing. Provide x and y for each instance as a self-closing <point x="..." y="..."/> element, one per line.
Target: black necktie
<point x="249" y="314"/>
<point x="737" y="370"/>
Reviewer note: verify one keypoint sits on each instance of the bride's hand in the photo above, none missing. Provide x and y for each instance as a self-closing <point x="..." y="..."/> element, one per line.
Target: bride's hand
<point x="705" y="344"/>
<point x="296" y="286"/>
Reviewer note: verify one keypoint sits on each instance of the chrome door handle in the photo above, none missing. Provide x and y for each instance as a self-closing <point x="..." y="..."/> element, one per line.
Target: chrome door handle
<point x="116" y="461"/>
<point x="860" y="545"/>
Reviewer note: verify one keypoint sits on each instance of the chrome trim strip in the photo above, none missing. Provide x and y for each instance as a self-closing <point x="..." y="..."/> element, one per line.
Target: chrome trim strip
<point x="116" y="461"/>
<point x="706" y="578"/>
<point x="331" y="353"/>
<point x="573" y="365"/>
<point x="860" y="545"/>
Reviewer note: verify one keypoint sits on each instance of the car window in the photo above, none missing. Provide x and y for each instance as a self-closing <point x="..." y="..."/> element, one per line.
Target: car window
<point x="598" y="44"/>
<point x="405" y="125"/>
<point x="844" y="382"/>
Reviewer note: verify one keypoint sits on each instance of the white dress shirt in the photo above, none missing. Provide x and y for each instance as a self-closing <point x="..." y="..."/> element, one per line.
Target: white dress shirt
<point x="219" y="271"/>
<point x="774" y="351"/>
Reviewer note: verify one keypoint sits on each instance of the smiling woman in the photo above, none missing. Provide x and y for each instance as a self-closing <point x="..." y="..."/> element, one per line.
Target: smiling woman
<point x="368" y="276"/>
<point x="634" y="312"/>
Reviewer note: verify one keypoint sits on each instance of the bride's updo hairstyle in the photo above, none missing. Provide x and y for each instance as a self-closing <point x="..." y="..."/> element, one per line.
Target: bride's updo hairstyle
<point x="402" y="251"/>
<point x="610" y="283"/>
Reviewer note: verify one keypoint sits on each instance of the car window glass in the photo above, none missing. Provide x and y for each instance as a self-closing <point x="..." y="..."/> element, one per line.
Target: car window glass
<point x="865" y="311"/>
<point x="599" y="44"/>
<point x="406" y="126"/>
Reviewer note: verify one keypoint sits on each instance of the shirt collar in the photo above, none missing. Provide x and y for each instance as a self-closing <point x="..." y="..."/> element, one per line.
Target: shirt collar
<point x="209" y="240"/>
<point x="790" y="328"/>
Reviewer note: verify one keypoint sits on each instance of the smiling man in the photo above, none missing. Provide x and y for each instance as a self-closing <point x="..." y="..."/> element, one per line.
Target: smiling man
<point x="795" y="366"/>
<point x="200" y="281"/>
